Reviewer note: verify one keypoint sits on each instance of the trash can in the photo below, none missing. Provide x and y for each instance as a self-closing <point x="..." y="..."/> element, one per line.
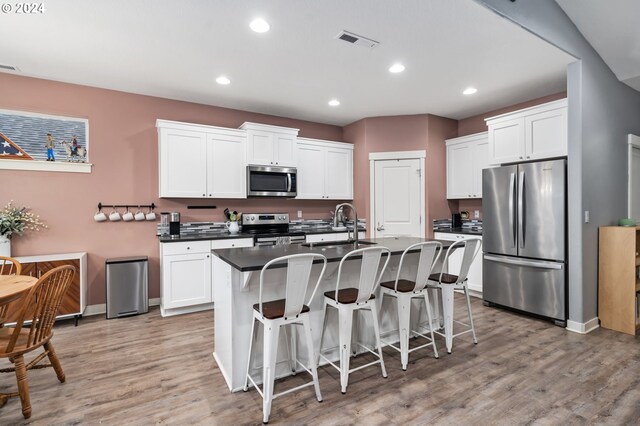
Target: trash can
<point x="127" y="286"/>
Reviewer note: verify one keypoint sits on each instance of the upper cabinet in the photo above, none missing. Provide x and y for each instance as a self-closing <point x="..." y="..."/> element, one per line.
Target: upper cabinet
<point x="466" y="157"/>
<point x="270" y="145"/>
<point x="197" y="161"/>
<point x="529" y="134"/>
<point x="325" y="170"/>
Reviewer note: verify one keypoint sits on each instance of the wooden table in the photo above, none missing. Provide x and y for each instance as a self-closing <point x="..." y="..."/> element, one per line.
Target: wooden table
<point x="12" y="287"/>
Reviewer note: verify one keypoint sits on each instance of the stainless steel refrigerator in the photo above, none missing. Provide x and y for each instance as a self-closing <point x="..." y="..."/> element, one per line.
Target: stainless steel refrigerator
<point x="524" y="238"/>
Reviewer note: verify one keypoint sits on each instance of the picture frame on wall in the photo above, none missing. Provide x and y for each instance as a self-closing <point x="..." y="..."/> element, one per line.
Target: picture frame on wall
<point x="29" y="136"/>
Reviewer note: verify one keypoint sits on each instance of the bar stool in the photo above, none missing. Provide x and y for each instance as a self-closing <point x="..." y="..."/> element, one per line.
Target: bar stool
<point x="447" y="283"/>
<point x="288" y="311"/>
<point x="350" y="300"/>
<point x="404" y="291"/>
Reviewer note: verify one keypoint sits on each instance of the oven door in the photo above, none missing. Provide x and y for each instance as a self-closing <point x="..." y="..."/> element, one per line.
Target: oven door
<point x="266" y="181"/>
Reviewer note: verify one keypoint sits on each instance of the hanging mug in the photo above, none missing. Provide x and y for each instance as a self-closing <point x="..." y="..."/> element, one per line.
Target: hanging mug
<point x="232" y="227"/>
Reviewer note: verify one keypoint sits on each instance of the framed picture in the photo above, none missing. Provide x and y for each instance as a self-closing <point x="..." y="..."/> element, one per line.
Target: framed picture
<point x="26" y="136"/>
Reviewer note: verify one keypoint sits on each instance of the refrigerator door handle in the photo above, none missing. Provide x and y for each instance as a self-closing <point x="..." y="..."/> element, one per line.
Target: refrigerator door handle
<point x="521" y="218"/>
<point x="520" y="262"/>
<point x="512" y="222"/>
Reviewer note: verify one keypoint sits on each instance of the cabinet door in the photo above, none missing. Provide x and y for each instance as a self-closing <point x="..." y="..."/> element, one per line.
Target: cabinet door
<point x="546" y="134"/>
<point x="459" y="171"/>
<point x="506" y="141"/>
<point x="186" y="280"/>
<point x="285" y="150"/>
<point x="226" y="169"/>
<point x="338" y="174"/>
<point x="480" y="162"/>
<point x="183" y="163"/>
<point x="475" y="273"/>
<point x="260" y="148"/>
<point x="71" y="300"/>
<point x="316" y="238"/>
<point x="311" y="170"/>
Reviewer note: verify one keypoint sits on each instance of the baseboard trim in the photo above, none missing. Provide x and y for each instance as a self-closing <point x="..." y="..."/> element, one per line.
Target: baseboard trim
<point x="101" y="308"/>
<point x="583" y="327"/>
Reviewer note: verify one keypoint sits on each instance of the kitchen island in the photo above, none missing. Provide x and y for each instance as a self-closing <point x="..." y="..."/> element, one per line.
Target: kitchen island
<point x="237" y="280"/>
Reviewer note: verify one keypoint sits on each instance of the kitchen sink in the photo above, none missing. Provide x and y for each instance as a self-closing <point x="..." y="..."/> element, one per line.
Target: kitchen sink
<point x="337" y="243"/>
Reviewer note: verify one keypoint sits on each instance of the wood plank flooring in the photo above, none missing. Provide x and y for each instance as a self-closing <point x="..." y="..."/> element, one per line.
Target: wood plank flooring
<point x="152" y="370"/>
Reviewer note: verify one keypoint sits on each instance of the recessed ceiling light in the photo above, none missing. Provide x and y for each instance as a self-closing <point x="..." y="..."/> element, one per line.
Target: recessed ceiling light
<point x="469" y="91"/>
<point x="396" y="68"/>
<point x="259" y="25"/>
<point x="223" y="80"/>
<point x="334" y="102"/>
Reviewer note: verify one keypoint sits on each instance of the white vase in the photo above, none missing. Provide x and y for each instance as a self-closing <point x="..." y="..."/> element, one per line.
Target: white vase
<point x="5" y="246"/>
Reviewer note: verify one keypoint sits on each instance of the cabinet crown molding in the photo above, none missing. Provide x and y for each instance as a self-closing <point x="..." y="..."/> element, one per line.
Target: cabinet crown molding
<point x="560" y="103"/>
<point x="247" y="125"/>
<point x="179" y="125"/>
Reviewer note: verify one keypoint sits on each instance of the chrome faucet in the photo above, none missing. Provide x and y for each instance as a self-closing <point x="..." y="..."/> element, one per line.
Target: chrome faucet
<point x="355" y="221"/>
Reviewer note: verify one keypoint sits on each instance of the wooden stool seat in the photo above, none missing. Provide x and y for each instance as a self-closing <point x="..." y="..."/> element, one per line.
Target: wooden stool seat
<point x="346" y="295"/>
<point x="275" y="309"/>
<point x="404" y="286"/>
<point x="446" y="278"/>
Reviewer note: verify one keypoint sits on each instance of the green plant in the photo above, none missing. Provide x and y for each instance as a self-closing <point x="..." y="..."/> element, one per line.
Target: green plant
<point x="17" y="220"/>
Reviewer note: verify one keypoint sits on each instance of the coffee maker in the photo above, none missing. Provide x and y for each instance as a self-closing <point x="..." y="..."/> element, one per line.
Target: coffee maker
<point x="174" y="225"/>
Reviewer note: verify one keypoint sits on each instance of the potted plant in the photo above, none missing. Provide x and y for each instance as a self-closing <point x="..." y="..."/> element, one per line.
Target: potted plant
<point x="16" y="220"/>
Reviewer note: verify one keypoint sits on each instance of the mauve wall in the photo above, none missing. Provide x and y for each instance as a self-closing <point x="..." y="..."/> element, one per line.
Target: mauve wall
<point x="123" y="149"/>
<point x="403" y="133"/>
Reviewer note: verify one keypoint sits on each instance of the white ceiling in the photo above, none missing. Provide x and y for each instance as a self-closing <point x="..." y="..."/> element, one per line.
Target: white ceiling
<point x="176" y="49"/>
<point x="612" y="28"/>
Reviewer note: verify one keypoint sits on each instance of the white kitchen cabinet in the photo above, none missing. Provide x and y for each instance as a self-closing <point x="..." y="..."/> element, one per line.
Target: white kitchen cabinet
<point x="325" y="170"/>
<point x="270" y="145"/>
<point x="199" y="161"/>
<point x="455" y="260"/>
<point x="467" y="156"/>
<point x="534" y="133"/>
<point x="186" y="274"/>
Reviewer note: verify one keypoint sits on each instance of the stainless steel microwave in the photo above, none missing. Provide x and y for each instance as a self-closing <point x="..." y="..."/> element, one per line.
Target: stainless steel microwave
<point x="269" y="181"/>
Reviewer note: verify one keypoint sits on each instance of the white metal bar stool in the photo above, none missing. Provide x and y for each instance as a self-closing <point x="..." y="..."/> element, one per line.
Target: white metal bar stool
<point x="350" y="300"/>
<point x="288" y="311"/>
<point x="404" y="291"/>
<point x="447" y="283"/>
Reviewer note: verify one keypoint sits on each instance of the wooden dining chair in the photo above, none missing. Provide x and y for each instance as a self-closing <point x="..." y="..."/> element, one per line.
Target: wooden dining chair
<point x="8" y="266"/>
<point x="46" y="295"/>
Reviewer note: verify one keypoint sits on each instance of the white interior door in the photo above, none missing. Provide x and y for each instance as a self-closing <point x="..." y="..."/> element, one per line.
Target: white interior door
<point x="634" y="182"/>
<point x="397" y="198"/>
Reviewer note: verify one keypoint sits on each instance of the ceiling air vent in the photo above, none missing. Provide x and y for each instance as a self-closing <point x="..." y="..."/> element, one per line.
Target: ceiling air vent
<point x="8" y="68"/>
<point x="357" y="39"/>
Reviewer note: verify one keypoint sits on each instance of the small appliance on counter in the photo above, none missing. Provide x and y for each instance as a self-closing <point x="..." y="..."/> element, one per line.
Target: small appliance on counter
<point x="456" y="221"/>
<point x="174" y="225"/>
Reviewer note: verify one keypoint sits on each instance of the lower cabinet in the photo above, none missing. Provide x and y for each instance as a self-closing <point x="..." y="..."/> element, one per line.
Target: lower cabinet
<point x="185" y="274"/>
<point x="75" y="299"/>
<point x="455" y="260"/>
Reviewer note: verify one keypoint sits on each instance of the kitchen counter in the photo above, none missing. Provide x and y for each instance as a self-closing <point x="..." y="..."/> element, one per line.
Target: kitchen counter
<point x="254" y="258"/>
<point x="220" y="235"/>
<point x="459" y="231"/>
<point x="237" y="288"/>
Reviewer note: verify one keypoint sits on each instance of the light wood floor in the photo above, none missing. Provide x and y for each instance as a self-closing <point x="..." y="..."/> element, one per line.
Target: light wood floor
<point x="152" y="370"/>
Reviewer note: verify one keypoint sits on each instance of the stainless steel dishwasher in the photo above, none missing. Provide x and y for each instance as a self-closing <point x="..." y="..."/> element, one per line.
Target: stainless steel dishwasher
<point x="127" y="286"/>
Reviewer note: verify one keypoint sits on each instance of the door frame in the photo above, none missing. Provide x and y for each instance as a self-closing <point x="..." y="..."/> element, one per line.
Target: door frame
<point x="634" y="143"/>
<point x="396" y="155"/>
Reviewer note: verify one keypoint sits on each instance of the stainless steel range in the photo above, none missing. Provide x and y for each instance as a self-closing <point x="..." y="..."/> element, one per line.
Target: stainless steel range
<point x="271" y="229"/>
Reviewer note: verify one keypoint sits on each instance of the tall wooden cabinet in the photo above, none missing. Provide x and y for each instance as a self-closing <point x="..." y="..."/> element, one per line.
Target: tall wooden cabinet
<point x="75" y="300"/>
<point x="618" y="278"/>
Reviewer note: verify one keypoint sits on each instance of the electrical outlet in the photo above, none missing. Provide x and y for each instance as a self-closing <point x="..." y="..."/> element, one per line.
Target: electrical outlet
<point x="299" y="214"/>
<point x="476" y="214"/>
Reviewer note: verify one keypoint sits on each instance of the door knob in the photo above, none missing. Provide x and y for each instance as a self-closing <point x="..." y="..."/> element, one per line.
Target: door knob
<point x="380" y="227"/>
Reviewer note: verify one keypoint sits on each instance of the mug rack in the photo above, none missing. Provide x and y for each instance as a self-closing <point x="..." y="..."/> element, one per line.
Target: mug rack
<point x="151" y="206"/>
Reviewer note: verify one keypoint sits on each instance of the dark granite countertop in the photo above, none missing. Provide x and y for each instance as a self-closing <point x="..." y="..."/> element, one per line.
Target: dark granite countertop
<point x="254" y="258"/>
<point x="459" y="231"/>
<point x="224" y="235"/>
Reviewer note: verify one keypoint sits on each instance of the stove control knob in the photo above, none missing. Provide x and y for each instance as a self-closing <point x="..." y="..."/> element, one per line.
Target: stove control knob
<point x="252" y="218"/>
